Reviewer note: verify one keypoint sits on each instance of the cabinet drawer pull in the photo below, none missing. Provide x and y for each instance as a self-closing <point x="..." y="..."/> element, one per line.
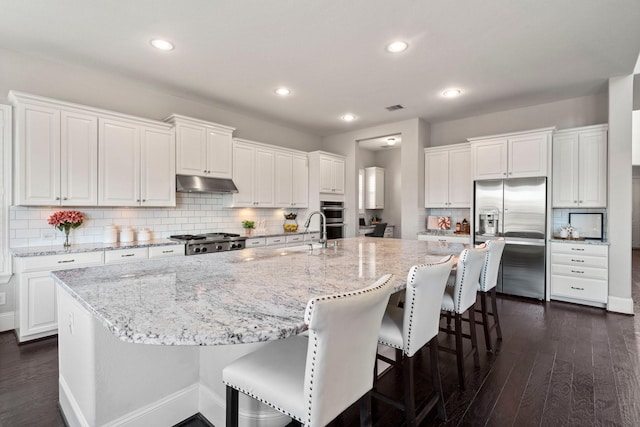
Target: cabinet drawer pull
<point x="168" y="252"/>
<point x="577" y="271"/>
<point x="127" y="255"/>
<point x="442" y="240"/>
<point x="577" y="260"/>
<point x="577" y="289"/>
<point x="66" y="261"/>
<point x="578" y="249"/>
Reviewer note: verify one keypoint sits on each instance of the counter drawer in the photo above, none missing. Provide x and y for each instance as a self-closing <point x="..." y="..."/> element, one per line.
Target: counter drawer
<point x="125" y="255"/>
<point x="276" y="240"/>
<point x="584" y="289"/>
<point x="579" y="260"/>
<point x="295" y="238"/>
<point x="580" y="272"/>
<point x="445" y="239"/>
<point x="59" y="262"/>
<point x="166" y="251"/>
<point x="581" y="249"/>
<point x="255" y="243"/>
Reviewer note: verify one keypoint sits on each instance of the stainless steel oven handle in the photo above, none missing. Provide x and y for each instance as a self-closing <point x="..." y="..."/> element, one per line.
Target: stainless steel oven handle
<point x="335" y="224"/>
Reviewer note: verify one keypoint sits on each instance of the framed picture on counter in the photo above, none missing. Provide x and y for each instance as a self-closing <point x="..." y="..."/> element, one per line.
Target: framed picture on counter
<point x="588" y="224"/>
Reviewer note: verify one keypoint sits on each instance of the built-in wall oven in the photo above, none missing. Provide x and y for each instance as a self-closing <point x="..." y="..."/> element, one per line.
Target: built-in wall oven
<point x="334" y="212"/>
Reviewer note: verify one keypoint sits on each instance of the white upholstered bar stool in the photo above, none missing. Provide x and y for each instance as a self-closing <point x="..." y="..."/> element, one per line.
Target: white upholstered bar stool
<point x="487" y="286"/>
<point x="314" y="379"/>
<point x="461" y="298"/>
<point x="411" y="328"/>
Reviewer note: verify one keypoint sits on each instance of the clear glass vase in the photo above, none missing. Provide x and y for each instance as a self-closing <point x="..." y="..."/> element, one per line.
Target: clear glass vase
<point x="66" y="237"/>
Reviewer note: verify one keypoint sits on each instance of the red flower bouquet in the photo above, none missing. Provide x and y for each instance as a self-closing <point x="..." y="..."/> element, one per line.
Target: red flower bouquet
<point x="65" y="221"/>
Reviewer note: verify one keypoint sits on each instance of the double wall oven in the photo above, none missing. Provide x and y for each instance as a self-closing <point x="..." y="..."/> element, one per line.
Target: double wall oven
<point x="334" y="212"/>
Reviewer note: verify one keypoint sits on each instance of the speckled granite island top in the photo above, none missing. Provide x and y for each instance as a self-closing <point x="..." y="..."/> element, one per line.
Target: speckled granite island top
<point x="239" y="296"/>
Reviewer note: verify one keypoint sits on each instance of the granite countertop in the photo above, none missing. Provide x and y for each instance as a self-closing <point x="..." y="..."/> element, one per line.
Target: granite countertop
<point x="58" y="249"/>
<point x="255" y="235"/>
<point x="234" y="297"/>
<point x="442" y="233"/>
<point x="581" y="242"/>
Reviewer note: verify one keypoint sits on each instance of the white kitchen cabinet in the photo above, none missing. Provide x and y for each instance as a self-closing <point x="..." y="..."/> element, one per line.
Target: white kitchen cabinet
<point x="512" y="155"/>
<point x="253" y="174"/>
<point x="448" y="176"/>
<point x="374" y="195"/>
<point x="35" y="315"/>
<point x="166" y="251"/>
<point x="136" y="164"/>
<point x="579" y="273"/>
<point x="331" y="173"/>
<point x="446" y="238"/>
<point x="580" y="167"/>
<point x="120" y="256"/>
<point x="202" y="148"/>
<point x="56" y="153"/>
<point x="291" y="180"/>
<point x="388" y="232"/>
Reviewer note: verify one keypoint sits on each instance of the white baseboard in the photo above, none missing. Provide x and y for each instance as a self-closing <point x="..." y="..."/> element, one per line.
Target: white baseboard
<point x="212" y="407"/>
<point x="6" y="321"/>
<point x="70" y="409"/>
<point x="620" y="305"/>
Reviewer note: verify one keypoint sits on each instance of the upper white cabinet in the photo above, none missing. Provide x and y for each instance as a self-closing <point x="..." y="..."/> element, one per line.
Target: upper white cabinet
<point x="291" y="179"/>
<point x="374" y="196"/>
<point x="202" y="148"/>
<point x="56" y="153"/>
<point x="447" y="176"/>
<point x="136" y="163"/>
<point x="580" y="167"/>
<point x="253" y="174"/>
<point x="73" y="155"/>
<point x="331" y="172"/>
<point x="512" y="155"/>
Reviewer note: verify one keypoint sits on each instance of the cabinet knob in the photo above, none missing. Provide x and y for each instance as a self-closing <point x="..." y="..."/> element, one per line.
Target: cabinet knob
<point x="144" y="200"/>
<point x="64" y="198"/>
<point x="575" y="201"/>
<point x="580" y="201"/>
<point x="138" y="200"/>
<point x="57" y="198"/>
<point x="505" y="174"/>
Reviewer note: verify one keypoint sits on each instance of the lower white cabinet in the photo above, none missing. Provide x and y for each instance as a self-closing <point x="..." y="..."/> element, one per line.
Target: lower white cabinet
<point x="579" y="273"/>
<point x="35" y="315"/>
<point x="280" y="240"/>
<point x="445" y="238"/>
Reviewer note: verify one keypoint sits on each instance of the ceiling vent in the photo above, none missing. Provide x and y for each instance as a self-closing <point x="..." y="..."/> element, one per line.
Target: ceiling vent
<point x="395" y="107"/>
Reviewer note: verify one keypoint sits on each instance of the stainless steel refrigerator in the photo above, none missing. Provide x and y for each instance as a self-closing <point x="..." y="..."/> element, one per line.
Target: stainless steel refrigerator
<point x="516" y="210"/>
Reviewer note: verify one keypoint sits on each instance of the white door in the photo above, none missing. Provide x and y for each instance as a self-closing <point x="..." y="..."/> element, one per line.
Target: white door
<point x="635" y="219"/>
<point x="243" y="174"/>
<point x="38" y="294"/>
<point x="592" y="188"/>
<point x="38" y="155"/>
<point x="489" y="159"/>
<point x="528" y="156"/>
<point x="79" y="159"/>
<point x="219" y="153"/>
<point x="264" y="185"/>
<point x="119" y="163"/>
<point x="283" y="180"/>
<point x="565" y="170"/>
<point x="436" y="183"/>
<point x="157" y="168"/>
<point x="338" y="176"/>
<point x="326" y="175"/>
<point x="460" y="182"/>
<point x="300" y="181"/>
<point x="191" y="150"/>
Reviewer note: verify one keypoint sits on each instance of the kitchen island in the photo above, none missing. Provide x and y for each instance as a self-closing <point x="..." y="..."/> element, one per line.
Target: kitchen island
<point x="145" y="343"/>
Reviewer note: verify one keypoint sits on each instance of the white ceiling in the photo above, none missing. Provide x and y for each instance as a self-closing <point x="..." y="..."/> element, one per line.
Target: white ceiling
<point x="502" y="53"/>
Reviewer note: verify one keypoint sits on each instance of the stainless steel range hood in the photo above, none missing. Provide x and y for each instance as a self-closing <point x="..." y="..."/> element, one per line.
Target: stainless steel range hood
<point x="201" y="184"/>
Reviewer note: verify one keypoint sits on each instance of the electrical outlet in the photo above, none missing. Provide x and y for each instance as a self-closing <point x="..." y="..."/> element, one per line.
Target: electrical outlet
<point x="3" y="298"/>
<point x="48" y="235"/>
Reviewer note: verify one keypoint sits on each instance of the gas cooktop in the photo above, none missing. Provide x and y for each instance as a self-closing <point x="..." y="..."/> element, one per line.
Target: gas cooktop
<point x="197" y="244"/>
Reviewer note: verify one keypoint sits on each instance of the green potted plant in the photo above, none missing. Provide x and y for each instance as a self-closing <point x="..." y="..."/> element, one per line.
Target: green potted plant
<point x="248" y="226"/>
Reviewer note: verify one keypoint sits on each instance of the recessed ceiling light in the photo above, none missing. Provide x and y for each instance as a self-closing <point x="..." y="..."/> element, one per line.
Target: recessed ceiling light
<point x="162" y="44"/>
<point x="391" y="141"/>
<point x="451" y="93"/>
<point x="397" y="47"/>
<point x="282" y="91"/>
<point x="348" y="117"/>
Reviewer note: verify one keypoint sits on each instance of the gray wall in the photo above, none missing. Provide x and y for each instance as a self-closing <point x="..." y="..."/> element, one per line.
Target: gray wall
<point x="390" y="160"/>
<point x="99" y="89"/>
<point x="574" y="112"/>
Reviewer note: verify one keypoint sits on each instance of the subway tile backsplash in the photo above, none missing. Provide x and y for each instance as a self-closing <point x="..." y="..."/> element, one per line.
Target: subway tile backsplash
<point x="457" y="215"/>
<point x="194" y="213"/>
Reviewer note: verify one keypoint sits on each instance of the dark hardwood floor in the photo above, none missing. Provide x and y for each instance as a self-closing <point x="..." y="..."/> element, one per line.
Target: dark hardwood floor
<point x="558" y="365"/>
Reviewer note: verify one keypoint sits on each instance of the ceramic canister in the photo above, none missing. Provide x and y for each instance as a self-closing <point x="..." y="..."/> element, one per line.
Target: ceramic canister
<point x="126" y="235"/>
<point x="110" y="234"/>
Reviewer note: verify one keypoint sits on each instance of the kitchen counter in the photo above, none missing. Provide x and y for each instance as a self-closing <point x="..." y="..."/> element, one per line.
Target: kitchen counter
<point x="235" y="297"/>
<point x="441" y="233"/>
<point x="580" y="242"/>
<point x="255" y="235"/>
<point x="58" y="249"/>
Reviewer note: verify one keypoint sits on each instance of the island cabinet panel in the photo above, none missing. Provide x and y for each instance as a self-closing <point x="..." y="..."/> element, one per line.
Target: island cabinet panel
<point x="579" y="273"/>
<point x="253" y="174"/>
<point x="580" y="167"/>
<point x="448" y="177"/>
<point x="513" y="155"/>
<point x="36" y="291"/>
<point x="202" y="148"/>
